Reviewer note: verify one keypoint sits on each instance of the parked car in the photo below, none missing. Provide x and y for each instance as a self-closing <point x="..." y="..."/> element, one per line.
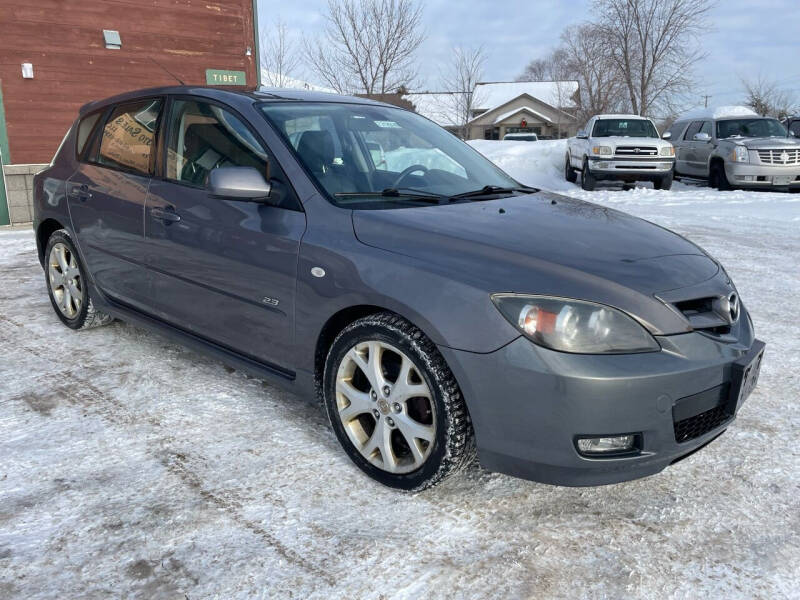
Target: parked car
<point x="733" y="147"/>
<point x="433" y="311"/>
<point x="520" y="137"/>
<point x="623" y="148"/>
<point x="792" y="125"/>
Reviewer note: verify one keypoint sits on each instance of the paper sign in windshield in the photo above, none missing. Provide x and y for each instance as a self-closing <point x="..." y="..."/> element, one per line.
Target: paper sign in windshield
<point x="387" y="124"/>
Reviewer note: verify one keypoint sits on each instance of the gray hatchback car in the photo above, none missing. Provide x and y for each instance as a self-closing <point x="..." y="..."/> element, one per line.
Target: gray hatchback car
<point x="437" y="308"/>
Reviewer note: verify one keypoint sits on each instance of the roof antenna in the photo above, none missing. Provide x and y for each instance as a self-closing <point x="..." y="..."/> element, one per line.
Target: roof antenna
<point x="170" y="73"/>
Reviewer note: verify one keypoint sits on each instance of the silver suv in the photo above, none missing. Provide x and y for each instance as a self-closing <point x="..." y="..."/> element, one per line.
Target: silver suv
<point x="736" y="151"/>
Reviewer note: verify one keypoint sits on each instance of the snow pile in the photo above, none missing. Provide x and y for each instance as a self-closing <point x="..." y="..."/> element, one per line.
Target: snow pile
<point x="538" y="164"/>
<point x="719" y="112"/>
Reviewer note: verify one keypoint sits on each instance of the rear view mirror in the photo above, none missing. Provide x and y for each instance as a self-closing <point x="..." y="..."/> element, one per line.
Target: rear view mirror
<point x="667" y="135"/>
<point x="701" y="137"/>
<point x="582" y="135"/>
<point x="238" y="183"/>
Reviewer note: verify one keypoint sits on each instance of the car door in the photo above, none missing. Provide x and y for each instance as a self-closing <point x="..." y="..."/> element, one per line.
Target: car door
<point x="106" y="197"/>
<point x="223" y="269"/>
<point x="694" y="153"/>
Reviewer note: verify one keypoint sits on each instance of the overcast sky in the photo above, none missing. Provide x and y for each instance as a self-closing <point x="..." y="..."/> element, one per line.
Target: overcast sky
<point x="747" y="37"/>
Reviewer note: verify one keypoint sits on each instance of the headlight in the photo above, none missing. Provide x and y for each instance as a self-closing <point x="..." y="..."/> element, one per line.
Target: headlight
<point x="574" y="326"/>
<point x="740" y="154"/>
<point x="668" y="151"/>
<point x="602" y="150"/>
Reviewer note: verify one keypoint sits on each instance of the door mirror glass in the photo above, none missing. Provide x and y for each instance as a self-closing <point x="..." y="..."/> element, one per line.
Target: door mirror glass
<point x="582" y="135"/>
<point x="667" y="135"/>
<point x="238" y="183"/>
<point x="701" y="137"/>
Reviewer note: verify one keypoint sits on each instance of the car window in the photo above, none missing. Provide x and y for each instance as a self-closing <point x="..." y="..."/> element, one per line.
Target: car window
<point x="693" y="129"/>
<point x="85" y="128"/>
<point x="750" y="127"/>
<point x="128" y="136"/>
<point x="204" y="136"/>
<point x="676" y="129"/>
<point x="706" y="128"/>
<point x="357" y="152"/>
<point x="795" y="128"/>
<point x="624" y="128"/>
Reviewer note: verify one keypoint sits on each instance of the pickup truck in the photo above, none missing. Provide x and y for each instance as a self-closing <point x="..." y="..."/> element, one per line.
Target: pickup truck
<point x="623" y="148"/>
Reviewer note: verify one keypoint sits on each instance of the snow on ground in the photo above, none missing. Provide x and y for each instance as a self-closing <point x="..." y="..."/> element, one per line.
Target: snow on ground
<point x="132" y="467"/>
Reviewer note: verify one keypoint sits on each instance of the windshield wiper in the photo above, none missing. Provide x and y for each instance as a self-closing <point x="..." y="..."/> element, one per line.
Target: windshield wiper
<point x="396" y="193"/>
<point x="490" y="190"/>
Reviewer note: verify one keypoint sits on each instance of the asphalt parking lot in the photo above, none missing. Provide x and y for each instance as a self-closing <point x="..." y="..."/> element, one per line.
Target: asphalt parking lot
<point x="132" y="466"/>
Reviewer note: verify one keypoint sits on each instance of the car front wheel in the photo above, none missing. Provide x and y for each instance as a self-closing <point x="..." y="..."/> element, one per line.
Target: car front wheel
<point x="67" y="285"/>
<point x="588" y="181"/>
<point x="569" y="173"/>
<point x="394" y="404"/>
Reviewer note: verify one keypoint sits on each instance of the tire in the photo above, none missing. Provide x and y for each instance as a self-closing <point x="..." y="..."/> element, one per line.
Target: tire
<point x="67" y="284"/>
<point x="356" y="414"/>
<point x="664" y="183"/>
<point x="570" y="174"/>
<point x="588" y="181"/>
<point x="718" y="179"/>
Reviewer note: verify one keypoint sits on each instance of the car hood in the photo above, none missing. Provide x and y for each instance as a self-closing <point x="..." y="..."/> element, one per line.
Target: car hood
<point x="758" y="143"/>
<point x="540" y="243"/>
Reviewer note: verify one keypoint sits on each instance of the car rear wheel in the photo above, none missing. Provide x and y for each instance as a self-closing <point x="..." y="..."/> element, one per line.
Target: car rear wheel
<point x="570" y="174"/>
<point x="588" y="181"/>
<point x="394" y="404"/>
<point x="67" y="285"/>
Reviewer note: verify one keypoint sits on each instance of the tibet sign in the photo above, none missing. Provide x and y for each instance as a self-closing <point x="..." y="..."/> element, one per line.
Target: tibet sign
<point x="221" y="77"/>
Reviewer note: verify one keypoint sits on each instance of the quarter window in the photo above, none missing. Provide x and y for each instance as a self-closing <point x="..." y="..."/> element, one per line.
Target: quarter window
<point x="129" y="137"/>
<point x="205" y="136"/>
<point x="85" y="128"/>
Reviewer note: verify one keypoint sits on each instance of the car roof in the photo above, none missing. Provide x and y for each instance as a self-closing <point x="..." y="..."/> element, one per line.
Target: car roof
<point x="264" y="94"/>
<point x="621" y="116"/>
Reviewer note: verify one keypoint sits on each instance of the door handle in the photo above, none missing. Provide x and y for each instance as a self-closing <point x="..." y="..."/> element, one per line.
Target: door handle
<point x="167" y="215"/>
<point x="80" y="192"/>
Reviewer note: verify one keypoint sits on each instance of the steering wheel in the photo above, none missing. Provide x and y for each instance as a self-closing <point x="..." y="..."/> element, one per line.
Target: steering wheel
<point x="408" y="171"/>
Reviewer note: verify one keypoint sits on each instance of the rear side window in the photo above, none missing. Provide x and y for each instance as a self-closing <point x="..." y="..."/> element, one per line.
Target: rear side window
<point x="85" y="128"/>
<point x="128" y="138"/>
<point x="676" y="129"/>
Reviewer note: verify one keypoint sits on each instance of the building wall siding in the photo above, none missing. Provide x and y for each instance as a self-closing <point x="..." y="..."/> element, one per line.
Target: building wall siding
<point x="63" y="39"/>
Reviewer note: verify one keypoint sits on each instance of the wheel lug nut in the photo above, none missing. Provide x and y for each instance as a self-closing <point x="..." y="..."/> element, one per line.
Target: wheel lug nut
<point x="387" y="390"/>
<point x="377" y="414"/>
<point x="373" y="395"/>
<point x="397" y="407"/>
<point x="390" y="421"/>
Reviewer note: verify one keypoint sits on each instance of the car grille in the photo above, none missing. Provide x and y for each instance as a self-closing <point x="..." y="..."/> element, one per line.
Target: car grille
<point x="636" y="151"/>
<point x="780" y="156"/>
<point x="698" y="414"/>
<point x="694" y="427"/>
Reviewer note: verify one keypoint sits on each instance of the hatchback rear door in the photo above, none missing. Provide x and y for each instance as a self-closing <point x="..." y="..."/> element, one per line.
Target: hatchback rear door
<point x="106" y="198"/>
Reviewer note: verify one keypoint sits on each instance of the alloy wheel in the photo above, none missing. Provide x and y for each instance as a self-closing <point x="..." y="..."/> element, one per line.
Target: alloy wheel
<point x="66" y="283"/>
<point x="385" y="406"/>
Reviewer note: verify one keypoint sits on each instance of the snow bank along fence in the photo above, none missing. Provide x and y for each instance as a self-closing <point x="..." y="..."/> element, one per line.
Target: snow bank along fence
<point x="18" y="181"/>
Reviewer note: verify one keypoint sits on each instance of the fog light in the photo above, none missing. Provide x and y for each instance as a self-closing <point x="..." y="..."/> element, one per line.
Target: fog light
<point x="606" y="445"/>
<point x="603" y="165"/>
<point x="748" y="178"/>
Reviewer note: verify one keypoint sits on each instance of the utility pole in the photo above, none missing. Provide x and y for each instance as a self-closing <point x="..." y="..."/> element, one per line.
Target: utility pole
<point x="706" y="97"/>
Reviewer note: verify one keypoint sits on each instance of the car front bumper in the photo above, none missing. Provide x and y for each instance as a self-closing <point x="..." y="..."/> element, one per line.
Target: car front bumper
<point x="529" y="405"/>
<point x="638" y="168"/>
<point x="762" y="176"/>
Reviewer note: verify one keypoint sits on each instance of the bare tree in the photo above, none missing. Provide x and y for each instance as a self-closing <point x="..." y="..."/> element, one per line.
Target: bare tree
<point x="654" y="45"/>
<point x="537" y="70"/>
<point x="461" y="78"/>
<point x="368" y="46"/>
<point x="587" y="56"/>
<point x="280" y="56"/>
<point x="767" y="99"/>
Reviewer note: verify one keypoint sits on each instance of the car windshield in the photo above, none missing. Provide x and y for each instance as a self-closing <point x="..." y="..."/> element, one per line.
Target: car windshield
<point x="369" y="156"/>
<point x="624" y="128"/>
<point x="755" y="127"/>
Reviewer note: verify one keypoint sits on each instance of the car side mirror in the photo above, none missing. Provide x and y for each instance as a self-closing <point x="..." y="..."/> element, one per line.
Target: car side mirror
<point x="701" y="137"/>
<point x="238" y="183"/>
<point x="667" y="135"/>
<point x="582" y="135"/>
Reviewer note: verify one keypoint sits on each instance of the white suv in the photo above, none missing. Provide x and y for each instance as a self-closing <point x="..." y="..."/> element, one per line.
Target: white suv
<point x="619" y="148"/>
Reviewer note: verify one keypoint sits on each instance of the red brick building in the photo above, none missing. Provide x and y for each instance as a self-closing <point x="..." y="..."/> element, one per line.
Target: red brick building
<point x="56" y="55"/>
